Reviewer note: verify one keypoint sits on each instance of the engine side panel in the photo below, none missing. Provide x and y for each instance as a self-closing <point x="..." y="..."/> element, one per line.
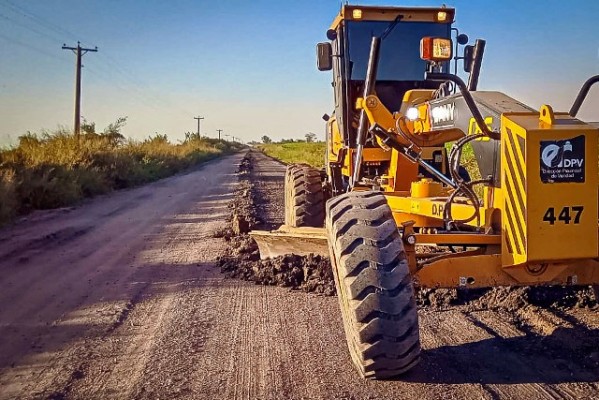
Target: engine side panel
<point x="452" y="112"/>
<point x="549" y="183"/>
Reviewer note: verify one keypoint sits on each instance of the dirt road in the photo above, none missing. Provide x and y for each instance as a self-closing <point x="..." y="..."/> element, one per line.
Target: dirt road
<point x="119" y="298"/>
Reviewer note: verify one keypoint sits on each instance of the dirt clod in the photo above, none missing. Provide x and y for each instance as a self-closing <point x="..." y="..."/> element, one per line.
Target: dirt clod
<point x="509" y="298"/>
<point x="239" y="224"/>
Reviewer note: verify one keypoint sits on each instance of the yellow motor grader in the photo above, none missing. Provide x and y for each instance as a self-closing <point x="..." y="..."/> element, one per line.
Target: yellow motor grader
<point x="394" y="180"/>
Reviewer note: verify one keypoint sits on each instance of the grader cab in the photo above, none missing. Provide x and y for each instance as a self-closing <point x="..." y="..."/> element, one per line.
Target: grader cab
<point x="394" y="180"/>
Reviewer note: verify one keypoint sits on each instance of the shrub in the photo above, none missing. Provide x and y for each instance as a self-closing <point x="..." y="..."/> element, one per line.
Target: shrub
<point x="54" y="169"/>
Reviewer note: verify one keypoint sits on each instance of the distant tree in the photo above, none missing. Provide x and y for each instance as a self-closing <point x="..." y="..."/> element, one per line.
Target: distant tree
<point x="310" y="137"/>
<point x="266" y="139"/>
<point x="88" y="128"/>
<point x="113" y="131"/>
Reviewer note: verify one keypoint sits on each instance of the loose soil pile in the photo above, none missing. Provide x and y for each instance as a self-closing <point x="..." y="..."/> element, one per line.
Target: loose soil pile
<point x="310" y="274"/>
<point x="509" y="298"/>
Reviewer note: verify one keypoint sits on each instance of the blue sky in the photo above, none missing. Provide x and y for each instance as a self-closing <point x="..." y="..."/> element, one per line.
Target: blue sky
<point x="248" y="67"/>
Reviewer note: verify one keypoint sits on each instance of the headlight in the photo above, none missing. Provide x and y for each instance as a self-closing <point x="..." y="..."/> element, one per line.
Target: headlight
<point x="412" y="113"/>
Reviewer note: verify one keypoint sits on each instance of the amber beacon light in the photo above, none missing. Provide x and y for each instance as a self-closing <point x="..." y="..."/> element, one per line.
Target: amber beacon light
<point x="435" y="49"/>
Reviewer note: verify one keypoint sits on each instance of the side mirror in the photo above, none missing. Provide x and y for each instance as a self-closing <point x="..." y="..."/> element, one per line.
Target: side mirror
<point x="462" y="39"/>
<point x="468" y="56"/>
<point x="324" y="56"/>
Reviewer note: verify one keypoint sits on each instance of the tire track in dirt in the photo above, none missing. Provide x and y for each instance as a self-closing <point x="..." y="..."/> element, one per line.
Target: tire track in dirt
<point x="170" y="315"/>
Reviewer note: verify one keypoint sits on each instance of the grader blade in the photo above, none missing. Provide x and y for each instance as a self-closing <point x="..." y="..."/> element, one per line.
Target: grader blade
<point x="287" y="240"/>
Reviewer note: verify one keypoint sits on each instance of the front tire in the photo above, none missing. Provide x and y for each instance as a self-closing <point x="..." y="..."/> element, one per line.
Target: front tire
<point x="374" y="285"/>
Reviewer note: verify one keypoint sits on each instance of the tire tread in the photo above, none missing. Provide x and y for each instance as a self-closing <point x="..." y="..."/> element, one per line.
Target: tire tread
<point x="374" y="285"/>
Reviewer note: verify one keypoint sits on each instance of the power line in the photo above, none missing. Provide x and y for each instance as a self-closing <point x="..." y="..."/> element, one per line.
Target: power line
<point x="107" y="76"/>
<point x="103" y="75"/>
<point x="22" y="25"/>
<point x="154" y="99"/>
<point x="28" y="46"/>
<point x="135" y="90"/>
<point x="135" y="81"/>
<point x="39" y="20"/>
<point x="113" y="63"/>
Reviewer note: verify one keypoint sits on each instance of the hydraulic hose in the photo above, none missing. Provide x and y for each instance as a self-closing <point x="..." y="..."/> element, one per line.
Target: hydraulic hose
<point x="373" y="62"/>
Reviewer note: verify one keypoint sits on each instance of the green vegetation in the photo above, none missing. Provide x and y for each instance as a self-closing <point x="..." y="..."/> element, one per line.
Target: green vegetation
<point x="468" y="161"/>
<point x="313" y="154"/>
<point x="297" y="152"/>
<point x="53" y="169"/>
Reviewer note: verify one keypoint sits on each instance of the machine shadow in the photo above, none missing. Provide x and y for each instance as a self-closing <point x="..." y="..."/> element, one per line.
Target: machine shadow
<point x="567" y="355"/>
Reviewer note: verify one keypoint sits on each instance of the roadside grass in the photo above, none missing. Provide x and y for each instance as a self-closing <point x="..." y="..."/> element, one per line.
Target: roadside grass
<point x="297" y="152"/>
<point x="53" y="169"/>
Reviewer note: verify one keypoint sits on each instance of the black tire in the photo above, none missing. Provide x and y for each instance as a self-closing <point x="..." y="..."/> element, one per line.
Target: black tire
<point x="304" y="198"/>
<point x="374" y="285"/>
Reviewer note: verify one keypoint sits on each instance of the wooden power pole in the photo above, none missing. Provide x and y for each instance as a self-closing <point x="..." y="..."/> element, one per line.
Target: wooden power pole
<point x="219" y="131"/>
<point x="199" y="119"/>
<point x="79" y="52"/>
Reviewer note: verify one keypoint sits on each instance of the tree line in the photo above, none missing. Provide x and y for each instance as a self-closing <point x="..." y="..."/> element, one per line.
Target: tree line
<point x="310" y="137"/>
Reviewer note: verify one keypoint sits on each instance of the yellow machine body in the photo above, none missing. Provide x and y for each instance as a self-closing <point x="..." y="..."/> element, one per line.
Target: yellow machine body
<point x="537" y="223"/>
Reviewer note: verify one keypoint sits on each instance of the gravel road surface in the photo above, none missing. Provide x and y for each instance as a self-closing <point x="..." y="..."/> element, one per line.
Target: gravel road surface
<point x="119" y="298"/>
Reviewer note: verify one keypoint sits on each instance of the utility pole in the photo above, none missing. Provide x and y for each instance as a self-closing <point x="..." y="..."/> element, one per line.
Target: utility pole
<point x="219" y="131"/>
<point x="199" y="119"/>
<point x="79" y="52"/>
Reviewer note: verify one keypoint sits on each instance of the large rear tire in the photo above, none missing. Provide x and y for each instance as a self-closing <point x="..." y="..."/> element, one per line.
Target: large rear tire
<point x="374" y="285"/>
<point x="304" y="198"/>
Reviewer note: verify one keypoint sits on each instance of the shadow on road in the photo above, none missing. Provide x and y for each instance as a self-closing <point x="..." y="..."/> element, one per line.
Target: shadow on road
<point x="567" y="355"/>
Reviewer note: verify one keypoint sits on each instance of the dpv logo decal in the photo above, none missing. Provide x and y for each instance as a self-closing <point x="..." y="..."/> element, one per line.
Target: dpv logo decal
<point x="563" y="160"/>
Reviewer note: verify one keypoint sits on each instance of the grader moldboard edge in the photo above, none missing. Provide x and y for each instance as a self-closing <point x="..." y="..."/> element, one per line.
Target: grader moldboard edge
<point x="390" y="184"/>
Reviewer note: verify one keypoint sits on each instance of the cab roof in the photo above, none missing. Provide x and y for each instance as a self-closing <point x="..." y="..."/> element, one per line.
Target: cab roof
<point x="388" y="13"/>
